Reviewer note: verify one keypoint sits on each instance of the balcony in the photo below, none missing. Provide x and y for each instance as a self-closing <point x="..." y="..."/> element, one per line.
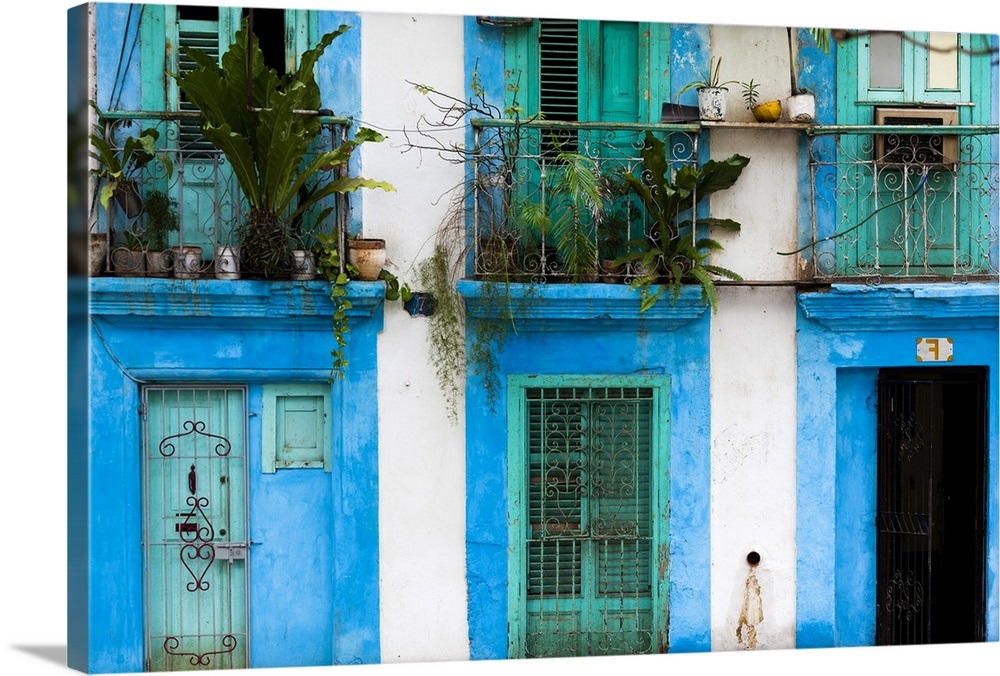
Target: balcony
<point x="191" y="207"/>
<point x="914" y="203"/>
<point x="528" y="223"/>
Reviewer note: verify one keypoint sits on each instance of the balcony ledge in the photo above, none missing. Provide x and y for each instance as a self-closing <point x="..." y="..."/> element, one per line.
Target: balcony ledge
<point x="588" y="307"/>
<point x="903" y="307"/>
<point x="224" y="298"/>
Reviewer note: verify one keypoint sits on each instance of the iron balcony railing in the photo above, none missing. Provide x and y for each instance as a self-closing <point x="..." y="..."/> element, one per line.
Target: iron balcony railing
<point x="904" y="202"/>
<point x="527" y="223"/>
<point x="197" y="206"/>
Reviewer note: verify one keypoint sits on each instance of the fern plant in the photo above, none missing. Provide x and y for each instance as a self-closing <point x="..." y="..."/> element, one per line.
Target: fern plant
<point x="264" y="125"/>
<point x="676" y="250"/>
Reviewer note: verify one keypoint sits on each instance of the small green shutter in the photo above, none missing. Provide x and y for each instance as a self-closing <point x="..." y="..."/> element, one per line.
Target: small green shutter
<point x="296" y="426"/>
<point x="584" y="495"/>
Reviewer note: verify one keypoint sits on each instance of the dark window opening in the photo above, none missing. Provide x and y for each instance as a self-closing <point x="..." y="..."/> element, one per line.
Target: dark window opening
<point x="931" y="516"/>
<point x="269" y="32"/>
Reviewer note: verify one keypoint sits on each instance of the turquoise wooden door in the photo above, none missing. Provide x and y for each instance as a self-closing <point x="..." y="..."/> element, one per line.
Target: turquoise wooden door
<point x="195" y="530"/>
<point x="588" y="561"/>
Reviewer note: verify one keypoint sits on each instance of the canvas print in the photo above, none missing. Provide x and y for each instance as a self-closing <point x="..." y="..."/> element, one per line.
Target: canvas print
<point x="413" y="337"/>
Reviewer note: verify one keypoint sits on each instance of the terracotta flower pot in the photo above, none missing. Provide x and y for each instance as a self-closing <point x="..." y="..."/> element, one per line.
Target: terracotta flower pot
<point x="368" y="256"/>
<point x="128" y="262"/>
<point x="159" y="263"/>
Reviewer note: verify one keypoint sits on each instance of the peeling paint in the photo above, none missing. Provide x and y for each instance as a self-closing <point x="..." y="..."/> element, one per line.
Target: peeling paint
<point x="751" y="614"/>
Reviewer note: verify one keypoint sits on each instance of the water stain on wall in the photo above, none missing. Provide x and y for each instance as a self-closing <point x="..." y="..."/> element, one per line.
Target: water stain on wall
<point x="751" y="615"/>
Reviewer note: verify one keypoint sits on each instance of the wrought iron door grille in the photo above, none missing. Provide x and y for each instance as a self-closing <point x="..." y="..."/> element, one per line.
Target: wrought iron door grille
<point x="930" y="519"/>
<point x="589" y="509"/>
<point x="195" y="537"/>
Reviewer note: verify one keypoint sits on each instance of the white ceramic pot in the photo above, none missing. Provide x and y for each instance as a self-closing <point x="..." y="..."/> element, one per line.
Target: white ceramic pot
<point x="801" y="108"/>
<point x="303" y="265"/>
<point x="368" y="256"/>
<point x="227" y="262"/>
<point x="712" y="103"/>
<point x="187" y="262"/>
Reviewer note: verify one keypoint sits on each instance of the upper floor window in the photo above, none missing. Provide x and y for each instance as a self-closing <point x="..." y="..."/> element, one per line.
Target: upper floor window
<point x="587" y="71"/>
<point x="914" y="67"/>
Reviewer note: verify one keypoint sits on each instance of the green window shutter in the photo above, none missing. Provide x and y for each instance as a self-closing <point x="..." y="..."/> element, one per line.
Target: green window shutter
<point x="296" y="426"/>
<point x="203" y="35"/>
<point x="559" y="69"/>
<point x="590" y="71"/>
<point x="584" y="485"/>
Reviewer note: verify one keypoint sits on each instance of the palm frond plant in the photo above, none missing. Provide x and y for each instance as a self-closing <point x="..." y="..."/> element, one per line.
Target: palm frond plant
<point x="566" y="215"/>
<point x="265" y="125"/>
<point x="676" y="249"/>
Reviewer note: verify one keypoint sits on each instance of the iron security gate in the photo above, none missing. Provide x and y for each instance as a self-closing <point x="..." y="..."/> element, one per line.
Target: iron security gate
<point x="195" y="528"/>
<point x="588" y="500"/>
<point x="931" y="507"/>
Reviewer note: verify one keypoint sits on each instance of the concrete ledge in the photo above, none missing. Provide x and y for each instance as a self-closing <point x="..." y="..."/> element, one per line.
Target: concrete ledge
<point x="878" y="308"/>
<point x="588" y="307"/>
<point x="145" y="296"/>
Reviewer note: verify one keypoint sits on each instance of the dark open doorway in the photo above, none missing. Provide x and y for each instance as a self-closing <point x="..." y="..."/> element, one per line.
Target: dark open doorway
<point x="931" y="506"/>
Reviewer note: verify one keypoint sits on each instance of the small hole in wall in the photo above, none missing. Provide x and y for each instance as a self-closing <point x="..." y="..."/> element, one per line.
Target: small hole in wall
<point x="753" y="558"/>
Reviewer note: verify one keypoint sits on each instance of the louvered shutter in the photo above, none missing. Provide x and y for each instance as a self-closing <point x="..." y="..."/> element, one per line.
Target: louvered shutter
<point x="204" y="35"/>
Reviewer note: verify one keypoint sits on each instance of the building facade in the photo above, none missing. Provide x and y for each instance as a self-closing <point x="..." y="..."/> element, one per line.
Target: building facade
<point x="804" y="454"/>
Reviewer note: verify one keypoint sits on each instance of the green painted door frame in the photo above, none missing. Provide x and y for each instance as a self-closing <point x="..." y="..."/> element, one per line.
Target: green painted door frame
<point x="588" y="515"/>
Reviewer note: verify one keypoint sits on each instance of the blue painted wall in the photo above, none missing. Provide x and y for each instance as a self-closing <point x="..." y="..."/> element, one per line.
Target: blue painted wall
<point x="844" y="337"/>
<point x="595" y="329"/>
<point x="314" y="592"/>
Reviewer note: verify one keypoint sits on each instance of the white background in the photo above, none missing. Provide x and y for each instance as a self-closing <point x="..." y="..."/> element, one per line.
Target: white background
<point x="32" y="451"/>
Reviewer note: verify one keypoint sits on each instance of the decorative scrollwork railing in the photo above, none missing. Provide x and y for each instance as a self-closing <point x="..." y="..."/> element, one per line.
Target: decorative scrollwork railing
<point x="191" y="210"/>
<point x="904" y="202"/>
<point x="526" y="224"/>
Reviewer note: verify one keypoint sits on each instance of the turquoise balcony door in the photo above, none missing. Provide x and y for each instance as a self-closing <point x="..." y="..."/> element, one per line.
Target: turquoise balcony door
<point x="195" y="528"/>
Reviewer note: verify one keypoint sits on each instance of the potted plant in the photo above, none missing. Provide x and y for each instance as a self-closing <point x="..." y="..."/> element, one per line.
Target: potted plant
<point x="669" y="253"/>
<point x="801" y="105"/>
<point x="367" y="256"/>
<point x="119" y="167"/>
<point x="762" y="112"/>
<point x="616" y="219"/>
<point x="340" y="275"/>
<point x="262" y="130"/>
<point x="711" y="93"/>
<point x="129" y="260"/>
<point x="159" y="220"/>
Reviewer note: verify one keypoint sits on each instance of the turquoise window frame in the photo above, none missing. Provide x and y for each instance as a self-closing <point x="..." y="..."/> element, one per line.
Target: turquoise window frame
<point x="914" y="68"/>
<point x="517" y="452"/>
